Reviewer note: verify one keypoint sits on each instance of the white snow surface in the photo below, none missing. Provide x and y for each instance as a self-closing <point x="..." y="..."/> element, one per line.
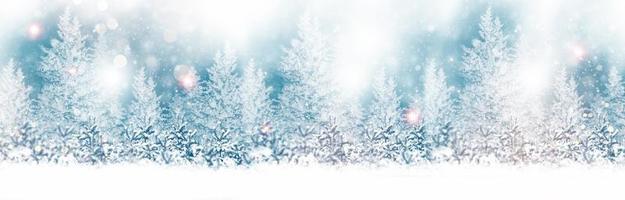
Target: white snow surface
<point x="19" y="181"/>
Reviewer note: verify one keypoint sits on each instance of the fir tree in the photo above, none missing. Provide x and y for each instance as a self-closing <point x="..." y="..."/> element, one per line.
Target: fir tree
<point x="67" y="98"/>
<point x="382" y="119"/>
<point x="438" y="111"/>
<point x="15" y="106"/>
<point x="144" y="110"/>
<point x="384" y="109"/>
<point x="307" y="97"/>
<point x="255" y="103"/>
<point x="223" y="89"/>
<point x="561" y="140"/>
<point x="483" y="118"/>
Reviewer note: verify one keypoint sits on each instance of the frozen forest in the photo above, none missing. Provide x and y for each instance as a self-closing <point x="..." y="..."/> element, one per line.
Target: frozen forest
<point x="86" y="94"/>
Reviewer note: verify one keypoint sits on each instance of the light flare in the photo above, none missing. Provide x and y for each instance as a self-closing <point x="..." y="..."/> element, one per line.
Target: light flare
<point x="111" y="79"/>
<point x="35" y="31"/>
<point x="579" y="52"/>
<point x="186" y="77"/>
<point x="412" y="116"/>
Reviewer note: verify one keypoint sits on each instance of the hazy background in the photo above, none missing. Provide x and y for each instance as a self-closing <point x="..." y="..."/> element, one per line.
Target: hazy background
<point x="400" y="35"/>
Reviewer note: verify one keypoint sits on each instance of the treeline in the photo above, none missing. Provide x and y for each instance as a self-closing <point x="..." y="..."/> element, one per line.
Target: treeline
<point x="229" y="118"/>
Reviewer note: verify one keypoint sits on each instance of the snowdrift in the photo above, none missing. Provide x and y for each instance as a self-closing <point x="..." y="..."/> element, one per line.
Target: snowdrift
<point x="309" y="182"/>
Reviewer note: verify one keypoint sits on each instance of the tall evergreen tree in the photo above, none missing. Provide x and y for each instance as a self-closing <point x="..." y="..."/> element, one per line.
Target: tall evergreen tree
<point x="384" y="109"/>
<point x="223" y="89"/>
<point x="382" y="120"/>
<point x="68" y="96"/>
<point x="307" y="95"/>
<point x="562" y="138"/>
<point x="255" y="103"/>
<point x="18" y="139"/>
<point x="483" y="118"/>
<point x="144" y="110"/>
<point x="15" y="106"/>
<point x="438" y="112"/>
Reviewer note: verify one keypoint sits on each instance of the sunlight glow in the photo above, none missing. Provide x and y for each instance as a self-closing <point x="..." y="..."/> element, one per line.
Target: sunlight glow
<point x="231" y="21"/>
<point x="186" y="77"/>
<point x="534" y="78"/>
<point x="359" y="51"/>
<point x="578" y="51"/>
<point x="34" y="31"/>
<point x="120" y="61"/>
<point x="412" y="116"/>
<point x="111" y="79"/>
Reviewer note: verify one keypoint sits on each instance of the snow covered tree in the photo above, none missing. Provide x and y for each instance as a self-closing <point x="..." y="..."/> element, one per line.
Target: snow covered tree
<point x="438" y="111"/>
<point x="221" y="150"/>
<point x="139" y="145"/>
<point x="306" y="97"/>
<point x="15" y="106"/>
<point x="267" y="147"/>
<point x="19" y="140"/>
<point x="382" y="119"/>
<point x="331" y="146"/>
<point x="255" y="103"/>
<point x="182" y="145"/>
<point x="562" y="138"/>
<point x="64" y="145"/>
<point x="67" y="96"/>
<point x="257" y="118"/>
<point x="140" y="135"/>
<point x="144" y="110"/>
<point x="483" y="119"/>
<point x="309" y="98"/>
<point x="384" y="109"/>
<point x="223" y="89"/>
<point x="616" y="99"/>
<point x="603" y="121"/>
<point x="92" y="146"/>
<point x="412" y="145"/>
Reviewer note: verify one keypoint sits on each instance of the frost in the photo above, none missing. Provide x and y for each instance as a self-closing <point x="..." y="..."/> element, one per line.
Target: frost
<point x="229" y="114"/>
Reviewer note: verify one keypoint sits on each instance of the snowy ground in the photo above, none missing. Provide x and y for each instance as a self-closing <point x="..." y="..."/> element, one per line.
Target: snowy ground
<point x="297" y="182"/>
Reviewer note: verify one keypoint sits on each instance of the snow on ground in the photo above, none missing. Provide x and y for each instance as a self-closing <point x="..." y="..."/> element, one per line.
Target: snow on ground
<point x="299" y="182"/>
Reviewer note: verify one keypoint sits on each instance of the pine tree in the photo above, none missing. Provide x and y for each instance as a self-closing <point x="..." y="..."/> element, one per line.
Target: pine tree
<point x="221" y="150"/>
<point x="384" y="109"/>
<point x="182" y="145"/>
<point x="92" y="146"/>
<point x="438" y="111"/>
<point x="139" y="138"/>
<point x="309" y="99"/>
<point x="483" y="118"/>
<point x="19" y="141"/>
<point x="563" y="135"/>
<point x="144" y="110"/>
<point x="67" y="98"/>
<point x="306" y="98"/>
<point x="382" y="120"/>
<point x="412" y="145"/>
<point x="255" y="103"/>
<point x="603" y="122"/>
<point x="223" y="89"/>
<point x="616" y="99"/>
<point x="331" y="146"/>
<point x="15" y="106"/>
<point x="256" y="116"/>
